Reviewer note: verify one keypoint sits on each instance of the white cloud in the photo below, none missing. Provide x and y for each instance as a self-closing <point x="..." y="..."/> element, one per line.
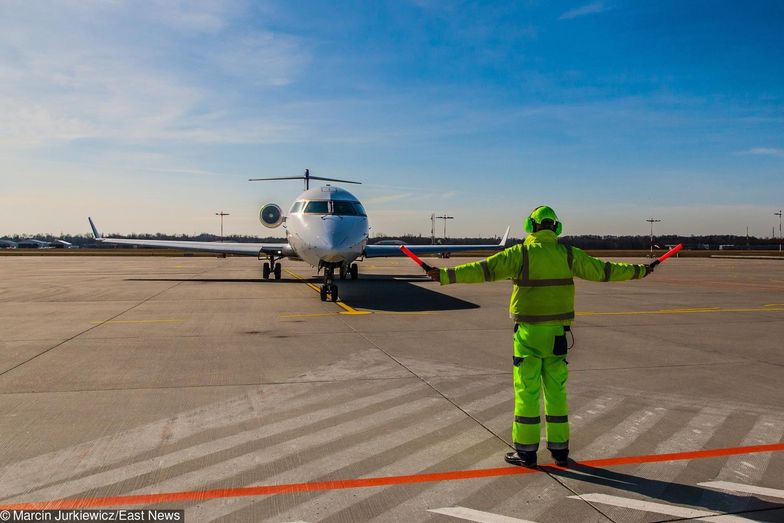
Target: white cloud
<point x="765" y="151"/>
<point x="588" y="9"/>
<point x="388" y="198"/>
<point x="130" y="73"/>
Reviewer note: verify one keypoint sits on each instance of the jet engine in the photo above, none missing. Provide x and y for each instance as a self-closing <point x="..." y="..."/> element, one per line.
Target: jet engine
<point x="271" y="215"/>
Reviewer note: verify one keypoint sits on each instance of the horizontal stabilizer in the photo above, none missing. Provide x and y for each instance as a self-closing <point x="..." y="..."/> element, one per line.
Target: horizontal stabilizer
<point x="307" y="177"/>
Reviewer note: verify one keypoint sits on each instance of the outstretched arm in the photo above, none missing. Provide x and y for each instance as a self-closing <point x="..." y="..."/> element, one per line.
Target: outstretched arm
<point x="500" y="266"/>
<point x="593" y="269"/>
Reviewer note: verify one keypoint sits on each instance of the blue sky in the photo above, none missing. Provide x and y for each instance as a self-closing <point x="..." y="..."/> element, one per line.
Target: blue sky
<point x="150" y="116"/>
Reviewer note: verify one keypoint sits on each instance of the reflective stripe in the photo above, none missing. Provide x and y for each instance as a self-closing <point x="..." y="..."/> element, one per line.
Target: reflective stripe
<point x="636" y="272"/>
<point x="556" y="419"/>
<point x="525" y="280"/>
<point x="569" y="256"/>
<point x="520" y="447"/>
<point x="607" y="269"/>
<point x="528" y="420"/>
<point x="486" y="270"/>
<point x="452" y="276"/>
<point x="544" y="283"/>
<point x="558" y="446"/>
<point x="525" y="318"/>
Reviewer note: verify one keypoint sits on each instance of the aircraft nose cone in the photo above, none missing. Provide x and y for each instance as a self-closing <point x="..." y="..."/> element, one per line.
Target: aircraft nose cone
<point x="340" y="238"/>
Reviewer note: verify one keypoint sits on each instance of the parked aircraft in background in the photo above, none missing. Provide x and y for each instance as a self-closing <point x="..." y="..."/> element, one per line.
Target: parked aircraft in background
<point x="326" y="227"/>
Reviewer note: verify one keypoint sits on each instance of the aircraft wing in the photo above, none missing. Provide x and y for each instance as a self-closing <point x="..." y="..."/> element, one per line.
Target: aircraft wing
<point x="242" y="249"/>
<point x="378" y="251"/>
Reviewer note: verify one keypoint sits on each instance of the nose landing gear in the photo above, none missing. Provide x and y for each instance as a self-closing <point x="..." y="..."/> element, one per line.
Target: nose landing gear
<point x="329" y="291"/>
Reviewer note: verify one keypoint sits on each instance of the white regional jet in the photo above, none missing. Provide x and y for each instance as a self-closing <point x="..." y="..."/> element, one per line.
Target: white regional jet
<point x="326" y="227"/>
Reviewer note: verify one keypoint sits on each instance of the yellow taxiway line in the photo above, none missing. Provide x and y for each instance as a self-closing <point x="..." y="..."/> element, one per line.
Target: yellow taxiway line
<point x="136" y="321"/>
<point x="346" y="308"/>
<point x="701" y="310"/>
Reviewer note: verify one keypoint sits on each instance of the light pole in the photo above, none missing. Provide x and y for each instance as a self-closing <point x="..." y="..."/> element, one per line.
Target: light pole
<point x="433" y="229"/>
<point x="780" y="240"/>
<point x="222" y="214"/>
<point x="652" y="221"/>
<point x="445" y="218"/>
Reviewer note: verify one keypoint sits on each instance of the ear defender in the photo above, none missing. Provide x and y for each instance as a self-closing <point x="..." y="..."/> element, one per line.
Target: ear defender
<point x="528" y="225"/>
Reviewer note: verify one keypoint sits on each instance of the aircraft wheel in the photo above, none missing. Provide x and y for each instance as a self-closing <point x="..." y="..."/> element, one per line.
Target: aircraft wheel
<point x="354" y="271"/>
<point x="342" y="272"/>
<point x="323" y="293"/>
<point x="265" y="271"/>
<point x="278" y="270"/>
<point x="333" y="292"/>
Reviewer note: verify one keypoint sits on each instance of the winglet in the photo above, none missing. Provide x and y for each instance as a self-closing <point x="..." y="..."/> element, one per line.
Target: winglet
<point x="502" y="243"/>
<point x="95" y="229"/>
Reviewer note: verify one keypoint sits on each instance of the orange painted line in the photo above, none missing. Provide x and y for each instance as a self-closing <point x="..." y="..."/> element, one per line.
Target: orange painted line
<point x="266" y="490"/>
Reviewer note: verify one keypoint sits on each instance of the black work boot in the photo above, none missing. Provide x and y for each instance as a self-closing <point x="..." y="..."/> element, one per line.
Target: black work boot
<point x="561" y="457"/>
<point x="521" y="458"/>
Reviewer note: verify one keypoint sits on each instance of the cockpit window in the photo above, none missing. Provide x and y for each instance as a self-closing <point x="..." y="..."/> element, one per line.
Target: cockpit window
<point x="360" y="209"/>
<point x="296" y="207"/>
<point x="343" y="208"/>
<point x="317" y="207"/>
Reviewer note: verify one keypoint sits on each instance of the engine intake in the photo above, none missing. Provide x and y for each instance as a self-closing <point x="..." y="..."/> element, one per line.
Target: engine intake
<point x="271" y="215"/>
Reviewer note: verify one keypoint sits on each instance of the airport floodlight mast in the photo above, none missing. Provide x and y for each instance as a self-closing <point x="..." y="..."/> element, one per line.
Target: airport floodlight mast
<point x="780" y="240"/>
<point x="433" y="229"/>
<point x="652" y="221"/>
<point x="445" y="218"/>
<point x="222" y="214"/>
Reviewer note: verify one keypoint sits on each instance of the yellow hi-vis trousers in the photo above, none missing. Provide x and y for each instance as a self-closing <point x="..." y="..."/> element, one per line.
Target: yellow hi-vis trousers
<point x="536" y="367"/>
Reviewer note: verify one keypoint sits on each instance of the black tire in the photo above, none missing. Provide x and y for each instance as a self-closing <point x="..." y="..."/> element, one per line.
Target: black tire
<point x="333" y="292"/>
<point x="265" y="271"/>
<point x="354" y="271"/>
<point x="278" y="271"/>
<point x="323" y="293"/>
<point x="342" y="272"/>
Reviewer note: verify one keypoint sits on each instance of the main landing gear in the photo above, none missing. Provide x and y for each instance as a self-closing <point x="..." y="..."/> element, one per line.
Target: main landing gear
<point x="329" y="291"/>
<point x="349" y="272"/>
<point x="271" y="268"/>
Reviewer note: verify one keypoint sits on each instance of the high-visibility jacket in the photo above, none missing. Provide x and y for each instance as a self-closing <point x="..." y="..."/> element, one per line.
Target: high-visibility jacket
<point x="541" y="269"/>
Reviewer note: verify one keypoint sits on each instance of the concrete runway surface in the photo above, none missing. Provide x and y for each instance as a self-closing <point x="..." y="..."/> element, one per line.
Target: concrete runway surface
<point x="191" y="383"/>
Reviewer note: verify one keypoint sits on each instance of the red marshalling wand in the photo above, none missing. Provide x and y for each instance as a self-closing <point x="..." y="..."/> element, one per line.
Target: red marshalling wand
<point x="416" y="258"/>
<point x="667" y="255"/>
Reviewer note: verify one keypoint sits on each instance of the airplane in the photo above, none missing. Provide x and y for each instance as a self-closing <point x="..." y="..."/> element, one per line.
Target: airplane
<point x="326" y="227"/>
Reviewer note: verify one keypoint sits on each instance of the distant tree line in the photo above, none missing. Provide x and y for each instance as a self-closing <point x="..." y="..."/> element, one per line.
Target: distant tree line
<point x="593" y="242"/>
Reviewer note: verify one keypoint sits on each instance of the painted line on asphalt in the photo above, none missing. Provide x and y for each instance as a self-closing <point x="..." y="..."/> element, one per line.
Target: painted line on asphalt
<point x="478" y="516"/>
<point x="346" y="308"/>
<point x="680" y="311"/>
<point x="658" y="508"/>
<point x="746" y="489"/>
<point x="136" y="321"/>
<point x="266" y="490"/>
<point x="358" y="313"/>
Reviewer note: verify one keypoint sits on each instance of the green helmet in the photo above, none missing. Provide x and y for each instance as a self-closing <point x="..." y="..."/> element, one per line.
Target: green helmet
<point x="539" y="215"/>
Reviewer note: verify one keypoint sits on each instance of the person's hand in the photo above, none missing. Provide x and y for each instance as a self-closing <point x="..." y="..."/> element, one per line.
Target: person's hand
<point x="434" y="274"/>
<point x="649" y="269"/>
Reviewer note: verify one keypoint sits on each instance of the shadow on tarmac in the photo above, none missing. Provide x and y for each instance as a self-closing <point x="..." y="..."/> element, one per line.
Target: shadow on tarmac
<point x="673" y="493"/>
<point x="388" y="292"/>
<point x="397" y="293"/>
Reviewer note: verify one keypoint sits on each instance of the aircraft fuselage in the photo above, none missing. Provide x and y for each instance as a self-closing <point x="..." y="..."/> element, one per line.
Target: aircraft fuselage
<point x="327" y="226"/>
